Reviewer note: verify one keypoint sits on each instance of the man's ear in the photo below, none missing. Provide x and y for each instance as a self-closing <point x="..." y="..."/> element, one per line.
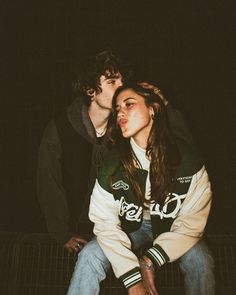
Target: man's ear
<point x="90" y="92"/>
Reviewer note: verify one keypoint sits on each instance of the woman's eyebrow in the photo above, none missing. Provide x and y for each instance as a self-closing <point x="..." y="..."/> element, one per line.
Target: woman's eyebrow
<point x="128" y="99"/>
<point x="125" y="100"/>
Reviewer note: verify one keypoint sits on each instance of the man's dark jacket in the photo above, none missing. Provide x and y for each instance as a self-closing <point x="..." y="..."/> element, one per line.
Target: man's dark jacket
<point x="69" y="157"/>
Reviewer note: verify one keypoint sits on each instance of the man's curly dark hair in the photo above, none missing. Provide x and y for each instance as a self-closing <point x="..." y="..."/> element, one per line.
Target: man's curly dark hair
<point x="104" y="63"/>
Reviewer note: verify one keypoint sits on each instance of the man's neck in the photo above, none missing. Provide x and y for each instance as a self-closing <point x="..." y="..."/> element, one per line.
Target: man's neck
<point x="98" y="116"/>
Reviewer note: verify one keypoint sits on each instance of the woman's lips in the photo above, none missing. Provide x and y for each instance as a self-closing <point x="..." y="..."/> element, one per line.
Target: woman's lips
<point x="122" y="122"/>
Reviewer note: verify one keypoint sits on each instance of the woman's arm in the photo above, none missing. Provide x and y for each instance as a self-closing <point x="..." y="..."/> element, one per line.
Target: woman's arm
<point x="104" y="212"/>
<point x="177" y="122"/>
<point x="188" y="227"/>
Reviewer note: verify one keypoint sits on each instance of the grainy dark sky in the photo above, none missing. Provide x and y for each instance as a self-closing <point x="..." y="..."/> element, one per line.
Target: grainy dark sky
<point x="187" y="47"/>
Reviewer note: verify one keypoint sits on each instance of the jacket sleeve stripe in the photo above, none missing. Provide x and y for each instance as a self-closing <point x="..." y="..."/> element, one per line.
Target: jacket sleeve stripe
<point x="157" y="255"/>
<point x="131" y="278"/>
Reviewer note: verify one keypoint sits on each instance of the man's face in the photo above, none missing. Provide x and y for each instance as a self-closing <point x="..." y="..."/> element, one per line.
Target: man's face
<point x="108" y="87"/>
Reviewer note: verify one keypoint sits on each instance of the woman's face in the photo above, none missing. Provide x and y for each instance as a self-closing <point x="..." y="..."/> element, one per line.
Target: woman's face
<point x="134" y="117"/>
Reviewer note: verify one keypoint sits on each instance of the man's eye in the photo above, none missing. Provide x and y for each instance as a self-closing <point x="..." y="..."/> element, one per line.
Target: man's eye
<point x="111" y="82"/>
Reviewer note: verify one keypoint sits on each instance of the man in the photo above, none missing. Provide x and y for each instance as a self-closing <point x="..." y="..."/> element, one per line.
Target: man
<point x="72" y="148"/>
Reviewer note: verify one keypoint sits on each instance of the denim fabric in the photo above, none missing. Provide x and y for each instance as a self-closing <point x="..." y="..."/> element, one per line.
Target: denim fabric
<point x="197" y="266"/>
<point x="90" y="269"/>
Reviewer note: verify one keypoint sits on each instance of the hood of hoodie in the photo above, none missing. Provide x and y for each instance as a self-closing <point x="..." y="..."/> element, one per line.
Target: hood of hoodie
<point x="78" y="116"/>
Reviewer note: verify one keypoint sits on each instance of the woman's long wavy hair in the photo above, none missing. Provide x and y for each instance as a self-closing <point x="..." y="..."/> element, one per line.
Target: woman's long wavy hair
<point x="161" y="148"/>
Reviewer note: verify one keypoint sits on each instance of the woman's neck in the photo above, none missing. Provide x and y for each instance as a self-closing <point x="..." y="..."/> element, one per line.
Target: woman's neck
<point x="141" y="141"/>
<point x="140" y="154"/>
<point x="135" y="145"/>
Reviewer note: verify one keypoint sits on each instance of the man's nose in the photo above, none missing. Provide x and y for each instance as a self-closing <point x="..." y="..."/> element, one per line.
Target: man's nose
<point x="120" y="83"/>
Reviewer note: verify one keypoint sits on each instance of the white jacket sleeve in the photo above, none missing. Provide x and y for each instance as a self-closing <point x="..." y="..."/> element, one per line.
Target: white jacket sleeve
<point x="188" y="227"/>
<point x="104" y="212"/>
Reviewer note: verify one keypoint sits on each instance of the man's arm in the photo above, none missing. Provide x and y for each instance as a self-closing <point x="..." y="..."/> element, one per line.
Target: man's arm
<point x="177" y="122"/>
<point x="178" y="126"/>
<point x="51" y="194"/>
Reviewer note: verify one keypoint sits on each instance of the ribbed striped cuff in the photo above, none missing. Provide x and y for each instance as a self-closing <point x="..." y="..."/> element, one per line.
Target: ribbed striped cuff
<point x="131" y="278"/>
<point x="157" y="255"/>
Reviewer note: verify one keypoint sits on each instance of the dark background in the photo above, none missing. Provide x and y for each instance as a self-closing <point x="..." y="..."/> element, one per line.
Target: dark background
<point x="187" y="47"/>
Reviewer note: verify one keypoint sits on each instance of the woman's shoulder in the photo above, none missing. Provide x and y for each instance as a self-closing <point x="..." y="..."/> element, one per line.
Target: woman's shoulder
<point x="108" y="168"/>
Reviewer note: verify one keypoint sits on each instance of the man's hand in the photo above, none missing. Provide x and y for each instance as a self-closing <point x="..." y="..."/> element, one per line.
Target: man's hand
<point x="75" y="244"/>
<point x="137" y="289"/>
<point x="148" y="276"/>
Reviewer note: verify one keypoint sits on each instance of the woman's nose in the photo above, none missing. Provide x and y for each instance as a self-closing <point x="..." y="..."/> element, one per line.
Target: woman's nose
<point x="121" y="113"/>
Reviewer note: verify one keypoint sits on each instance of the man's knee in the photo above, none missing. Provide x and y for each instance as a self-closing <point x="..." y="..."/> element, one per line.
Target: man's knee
<point x="92" y="256"/>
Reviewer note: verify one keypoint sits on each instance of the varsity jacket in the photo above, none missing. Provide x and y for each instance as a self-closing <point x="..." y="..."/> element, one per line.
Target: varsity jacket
<point x="176" y="226"/>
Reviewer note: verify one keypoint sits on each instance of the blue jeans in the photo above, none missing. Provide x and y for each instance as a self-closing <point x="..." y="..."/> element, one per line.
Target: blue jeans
<point x="197" y="266"/>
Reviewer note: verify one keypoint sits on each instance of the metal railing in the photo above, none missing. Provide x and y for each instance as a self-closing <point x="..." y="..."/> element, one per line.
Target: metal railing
<point x="33" y="264"/>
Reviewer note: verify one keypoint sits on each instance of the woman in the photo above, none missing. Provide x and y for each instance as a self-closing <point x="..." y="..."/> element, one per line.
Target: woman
<point x="153" y="189"/>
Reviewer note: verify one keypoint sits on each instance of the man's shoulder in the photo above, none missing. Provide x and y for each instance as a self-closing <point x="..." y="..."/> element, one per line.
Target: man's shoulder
<point x="191" y="160"/>
<point x="50" y="134"/>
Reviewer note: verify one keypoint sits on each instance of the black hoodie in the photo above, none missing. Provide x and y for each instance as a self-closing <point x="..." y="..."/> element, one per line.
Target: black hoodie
<point x="69" y="158"/>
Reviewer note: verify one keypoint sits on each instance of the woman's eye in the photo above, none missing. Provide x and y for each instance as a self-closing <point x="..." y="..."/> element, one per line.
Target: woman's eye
<point x="129" y="104"/>
<point x="111" y="82"/>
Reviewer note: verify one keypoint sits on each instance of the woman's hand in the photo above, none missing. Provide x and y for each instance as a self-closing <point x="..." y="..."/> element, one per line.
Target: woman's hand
<point x="147" y="272"/>
<point x="137" y="289"/>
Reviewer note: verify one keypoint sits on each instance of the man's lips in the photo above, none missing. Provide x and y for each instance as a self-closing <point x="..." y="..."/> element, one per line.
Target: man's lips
<point x="122" y="122"/>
